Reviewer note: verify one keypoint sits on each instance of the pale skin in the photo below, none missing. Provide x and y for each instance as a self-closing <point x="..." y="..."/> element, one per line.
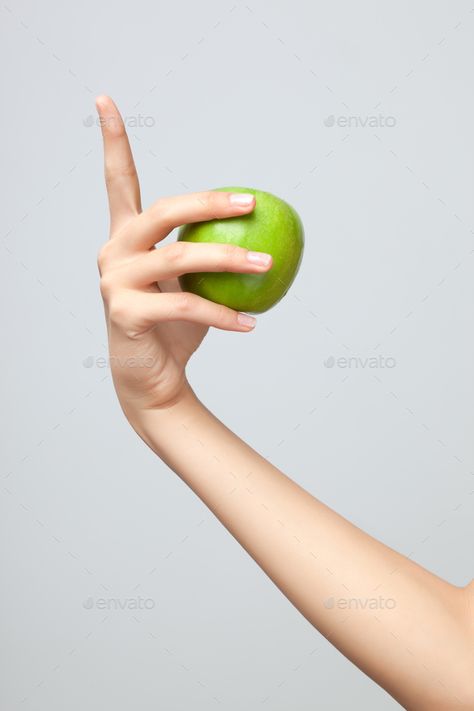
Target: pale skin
<point x="406" y="628"/>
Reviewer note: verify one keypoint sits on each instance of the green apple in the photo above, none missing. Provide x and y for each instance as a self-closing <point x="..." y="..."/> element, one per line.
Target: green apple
<point x="273" y="227"/>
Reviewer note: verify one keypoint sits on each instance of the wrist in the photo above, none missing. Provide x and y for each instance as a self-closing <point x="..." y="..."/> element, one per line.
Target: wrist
<point x="155" y="424"/>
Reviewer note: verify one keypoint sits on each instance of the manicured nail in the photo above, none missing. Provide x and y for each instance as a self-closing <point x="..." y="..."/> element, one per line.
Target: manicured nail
<point x="246" y="320"/>
<point x="261" y="258"/>
<point x="242" y="199"/>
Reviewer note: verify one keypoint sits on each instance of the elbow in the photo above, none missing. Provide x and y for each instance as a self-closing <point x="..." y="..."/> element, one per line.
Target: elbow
<point x="461" y="676"/>
<point x="451" y="688"/>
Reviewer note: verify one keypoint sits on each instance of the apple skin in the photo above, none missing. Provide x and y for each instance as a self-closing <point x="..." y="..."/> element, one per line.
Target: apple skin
<point x="273" y="227"/>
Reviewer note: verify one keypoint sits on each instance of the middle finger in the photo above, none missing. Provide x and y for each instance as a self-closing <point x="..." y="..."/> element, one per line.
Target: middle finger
<point x="155" y="223"/>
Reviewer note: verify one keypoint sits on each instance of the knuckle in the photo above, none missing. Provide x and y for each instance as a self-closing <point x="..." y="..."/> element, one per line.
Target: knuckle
<point x="106" y="286"/>
<point x="176" y="252"/>
<point x="162" y="211"/>
<point x="232" y="252"/>
<point x="222" y="314"/>
<point x="229" y="254"/>
<point x="212" y="203"/>
<point x="101" y="259"/>
<point x="114" y="173"/>
<point x="104" y="256"/>
<point x="185" y="302"/>
<point x="119" y="310"/>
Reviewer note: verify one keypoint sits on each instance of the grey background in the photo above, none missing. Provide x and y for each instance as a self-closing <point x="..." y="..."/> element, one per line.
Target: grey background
<point x="231" y="94"/>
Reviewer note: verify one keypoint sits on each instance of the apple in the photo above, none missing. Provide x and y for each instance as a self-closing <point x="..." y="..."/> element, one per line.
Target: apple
<point x="273" y="227"/>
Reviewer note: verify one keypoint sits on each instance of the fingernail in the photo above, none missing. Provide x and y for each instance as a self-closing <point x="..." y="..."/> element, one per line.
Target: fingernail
<point x="261" y="258"/>
<point x="246" y="320"/>
<point x="242" y="199"/>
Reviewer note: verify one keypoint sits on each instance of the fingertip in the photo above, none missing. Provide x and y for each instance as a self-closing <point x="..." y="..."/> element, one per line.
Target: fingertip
<point x="243" y="200"/>
<point x="247" y="321"/>
<point x="111" y="120"/>
<point x="262" y="260"/>
<point x="101" y="101"/>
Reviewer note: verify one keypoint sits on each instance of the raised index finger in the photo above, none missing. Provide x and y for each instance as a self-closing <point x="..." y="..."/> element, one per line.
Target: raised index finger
<point x="121" y="177"/>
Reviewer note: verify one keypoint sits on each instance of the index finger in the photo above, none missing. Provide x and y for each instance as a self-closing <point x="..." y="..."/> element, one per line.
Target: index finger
<point x="123" y="188"/>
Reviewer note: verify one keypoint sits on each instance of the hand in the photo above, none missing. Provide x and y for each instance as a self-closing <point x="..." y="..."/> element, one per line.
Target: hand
<point x="153" y="326"/>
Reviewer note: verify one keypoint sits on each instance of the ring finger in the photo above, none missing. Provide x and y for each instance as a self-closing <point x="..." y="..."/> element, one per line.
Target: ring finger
<point x="183" y="258"/>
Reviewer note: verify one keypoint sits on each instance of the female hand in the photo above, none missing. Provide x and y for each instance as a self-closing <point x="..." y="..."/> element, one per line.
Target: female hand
<point x="153" y="326"/>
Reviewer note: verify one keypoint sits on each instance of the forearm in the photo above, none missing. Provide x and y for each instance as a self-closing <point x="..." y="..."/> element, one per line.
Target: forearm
<point x="415" y="640"/>
<point x="403" y="626"/>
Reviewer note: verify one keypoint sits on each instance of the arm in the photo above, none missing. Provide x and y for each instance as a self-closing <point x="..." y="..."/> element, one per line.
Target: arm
<point x="418" y="643"/>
